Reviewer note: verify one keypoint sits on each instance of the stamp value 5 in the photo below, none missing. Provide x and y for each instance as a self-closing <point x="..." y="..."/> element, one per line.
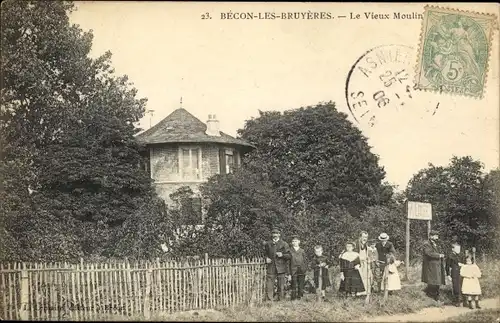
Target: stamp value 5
<point x="454" y="51"/>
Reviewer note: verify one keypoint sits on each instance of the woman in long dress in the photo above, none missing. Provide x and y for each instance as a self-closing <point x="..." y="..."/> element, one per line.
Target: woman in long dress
<point x="350" y="279"/>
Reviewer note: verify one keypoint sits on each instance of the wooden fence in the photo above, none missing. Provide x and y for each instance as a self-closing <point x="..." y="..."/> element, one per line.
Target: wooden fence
<point x="86" y="291"/>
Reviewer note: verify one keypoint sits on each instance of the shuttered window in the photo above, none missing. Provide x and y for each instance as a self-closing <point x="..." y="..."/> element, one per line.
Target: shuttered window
<point x="228" y="160"/>
<point x="222" y="161"/>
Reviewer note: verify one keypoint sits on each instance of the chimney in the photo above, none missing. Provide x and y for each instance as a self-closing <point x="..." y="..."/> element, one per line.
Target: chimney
<point x="212" y="126"/>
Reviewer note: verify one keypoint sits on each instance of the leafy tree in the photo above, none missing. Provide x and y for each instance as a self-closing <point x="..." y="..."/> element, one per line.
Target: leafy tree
<point x="313" y="156"/>
<point x="459" y="199"/>
<point x="72" y="185"/>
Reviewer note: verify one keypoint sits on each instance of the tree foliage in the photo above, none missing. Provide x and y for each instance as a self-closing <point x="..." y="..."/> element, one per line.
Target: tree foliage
<point x="72" y="185"/>
<point x="314" y="155"/>
<point x="241" y="209"/>
<point x="462" y="199"/>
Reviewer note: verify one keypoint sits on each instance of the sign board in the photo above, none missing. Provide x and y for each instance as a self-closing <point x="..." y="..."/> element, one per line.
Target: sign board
<point x="419" y="211"/>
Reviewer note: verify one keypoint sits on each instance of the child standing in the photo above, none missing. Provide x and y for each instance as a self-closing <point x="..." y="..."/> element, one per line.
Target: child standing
<point x="298" y="268"/>
<point x="393" y="279"/>
<point x="320" y="264"/>
<point x="470" y="283"/>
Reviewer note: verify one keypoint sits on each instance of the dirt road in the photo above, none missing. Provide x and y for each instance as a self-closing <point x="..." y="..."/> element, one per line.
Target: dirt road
<point x="433" y="314"/>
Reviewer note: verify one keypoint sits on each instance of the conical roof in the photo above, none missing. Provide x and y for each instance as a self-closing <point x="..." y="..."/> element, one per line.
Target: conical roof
<point x="182" y="127"/>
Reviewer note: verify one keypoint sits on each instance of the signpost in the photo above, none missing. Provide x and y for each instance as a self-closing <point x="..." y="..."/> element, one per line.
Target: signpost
<point x="416" y="211"/>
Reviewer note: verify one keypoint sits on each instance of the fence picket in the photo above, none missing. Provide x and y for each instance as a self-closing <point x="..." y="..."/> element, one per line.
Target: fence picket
<point x="112" y="285"/>
<point x="128" y="278"/>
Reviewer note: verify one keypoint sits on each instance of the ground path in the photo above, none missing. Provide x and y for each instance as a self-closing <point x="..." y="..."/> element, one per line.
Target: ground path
<point x="433" y="314"/>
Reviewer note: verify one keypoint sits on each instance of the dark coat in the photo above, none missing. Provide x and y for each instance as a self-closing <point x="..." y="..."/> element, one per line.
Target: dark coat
<point x="453" y="269"/>
<point x="298" y="262"/>
<point x="433" y="272"/>
<point x="325" y="276"/>
<point x="382" y="251"/>
<point x="278" y="265"/>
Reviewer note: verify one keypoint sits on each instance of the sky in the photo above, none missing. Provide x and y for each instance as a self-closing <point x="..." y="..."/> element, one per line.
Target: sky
<point x="235" y="67"/>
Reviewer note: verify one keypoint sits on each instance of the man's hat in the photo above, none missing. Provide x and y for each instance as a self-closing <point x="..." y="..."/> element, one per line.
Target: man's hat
<point x="383" y="237"/>
<point x="295" y="238"/>
<point x="273" y="231"/>
<point x="433" y="233"/>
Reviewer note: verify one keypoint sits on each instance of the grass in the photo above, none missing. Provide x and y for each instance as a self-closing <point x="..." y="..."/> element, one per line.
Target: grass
<point x="481" y="316"/>
<point x="408" y="300"/>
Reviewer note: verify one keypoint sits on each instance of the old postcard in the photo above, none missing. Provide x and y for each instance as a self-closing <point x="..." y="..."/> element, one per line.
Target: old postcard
<point x="250" y="161"/>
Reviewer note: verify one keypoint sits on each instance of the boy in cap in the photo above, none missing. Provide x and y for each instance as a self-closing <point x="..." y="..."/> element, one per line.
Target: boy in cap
<point x="277" y="254"/>
<point x="298" y="268"/>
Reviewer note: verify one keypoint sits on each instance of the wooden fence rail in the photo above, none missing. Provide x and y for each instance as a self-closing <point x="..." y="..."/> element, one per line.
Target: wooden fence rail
<point x="86" y="291"/>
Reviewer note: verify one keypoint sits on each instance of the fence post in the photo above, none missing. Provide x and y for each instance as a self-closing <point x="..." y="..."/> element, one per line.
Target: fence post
<point x="147" y="312"/>
<point x="320" y="285"/>
<point x="23" y="311"/>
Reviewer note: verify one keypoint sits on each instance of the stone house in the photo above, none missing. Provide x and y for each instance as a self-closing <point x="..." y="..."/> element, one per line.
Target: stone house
<point x="183" y="151"/>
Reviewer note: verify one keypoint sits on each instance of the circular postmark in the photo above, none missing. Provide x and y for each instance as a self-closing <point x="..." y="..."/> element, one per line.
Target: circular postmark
<point x="380" y="82"/>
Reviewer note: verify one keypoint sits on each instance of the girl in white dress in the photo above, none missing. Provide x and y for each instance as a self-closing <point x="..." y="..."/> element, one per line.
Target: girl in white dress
<point x="471" y="273"/>
<point x="393" y="279"/>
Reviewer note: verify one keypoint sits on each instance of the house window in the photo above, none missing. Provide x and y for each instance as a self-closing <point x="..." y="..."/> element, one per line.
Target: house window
<point x="228" y="160"/>
<point x="190" y="163"/>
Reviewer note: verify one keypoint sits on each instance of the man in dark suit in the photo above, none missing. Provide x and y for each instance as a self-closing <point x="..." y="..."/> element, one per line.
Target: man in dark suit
<point x="277" y="253"/>
<point x="298" y="268"/>
<point x="383" y="246"/>
<point x="433" y="271"/>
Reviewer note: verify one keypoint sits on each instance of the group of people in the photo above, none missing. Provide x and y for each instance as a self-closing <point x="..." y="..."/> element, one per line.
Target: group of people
<point x="459" y="267"/>
<point x="367" y="266"/>
<point x="362" y="267"/>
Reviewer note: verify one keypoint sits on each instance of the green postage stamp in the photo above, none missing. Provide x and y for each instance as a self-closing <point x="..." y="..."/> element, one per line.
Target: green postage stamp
<point x="454" y="51"/>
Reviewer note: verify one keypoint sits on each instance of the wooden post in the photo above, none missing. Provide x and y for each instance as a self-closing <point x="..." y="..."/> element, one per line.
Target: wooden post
<point x="474" y="254"/>
<point x="428" y="230"/>
<point x="23" y="311"/>
<point x="407" y="262"/>
<point x="385" y="280"/>
<point x="369" y="278"/>
<point x="320" y="284"/>
<point x="147" y="312"/>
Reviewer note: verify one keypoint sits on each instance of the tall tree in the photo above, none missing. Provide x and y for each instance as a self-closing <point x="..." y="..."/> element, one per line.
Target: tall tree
<point x="459" y="198"/>
<point x="314" y="155"/>
<point x="69" y="159"/>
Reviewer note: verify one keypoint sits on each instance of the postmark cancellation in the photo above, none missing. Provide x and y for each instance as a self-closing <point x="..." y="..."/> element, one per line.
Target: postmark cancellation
<point x="454" y="51"/>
